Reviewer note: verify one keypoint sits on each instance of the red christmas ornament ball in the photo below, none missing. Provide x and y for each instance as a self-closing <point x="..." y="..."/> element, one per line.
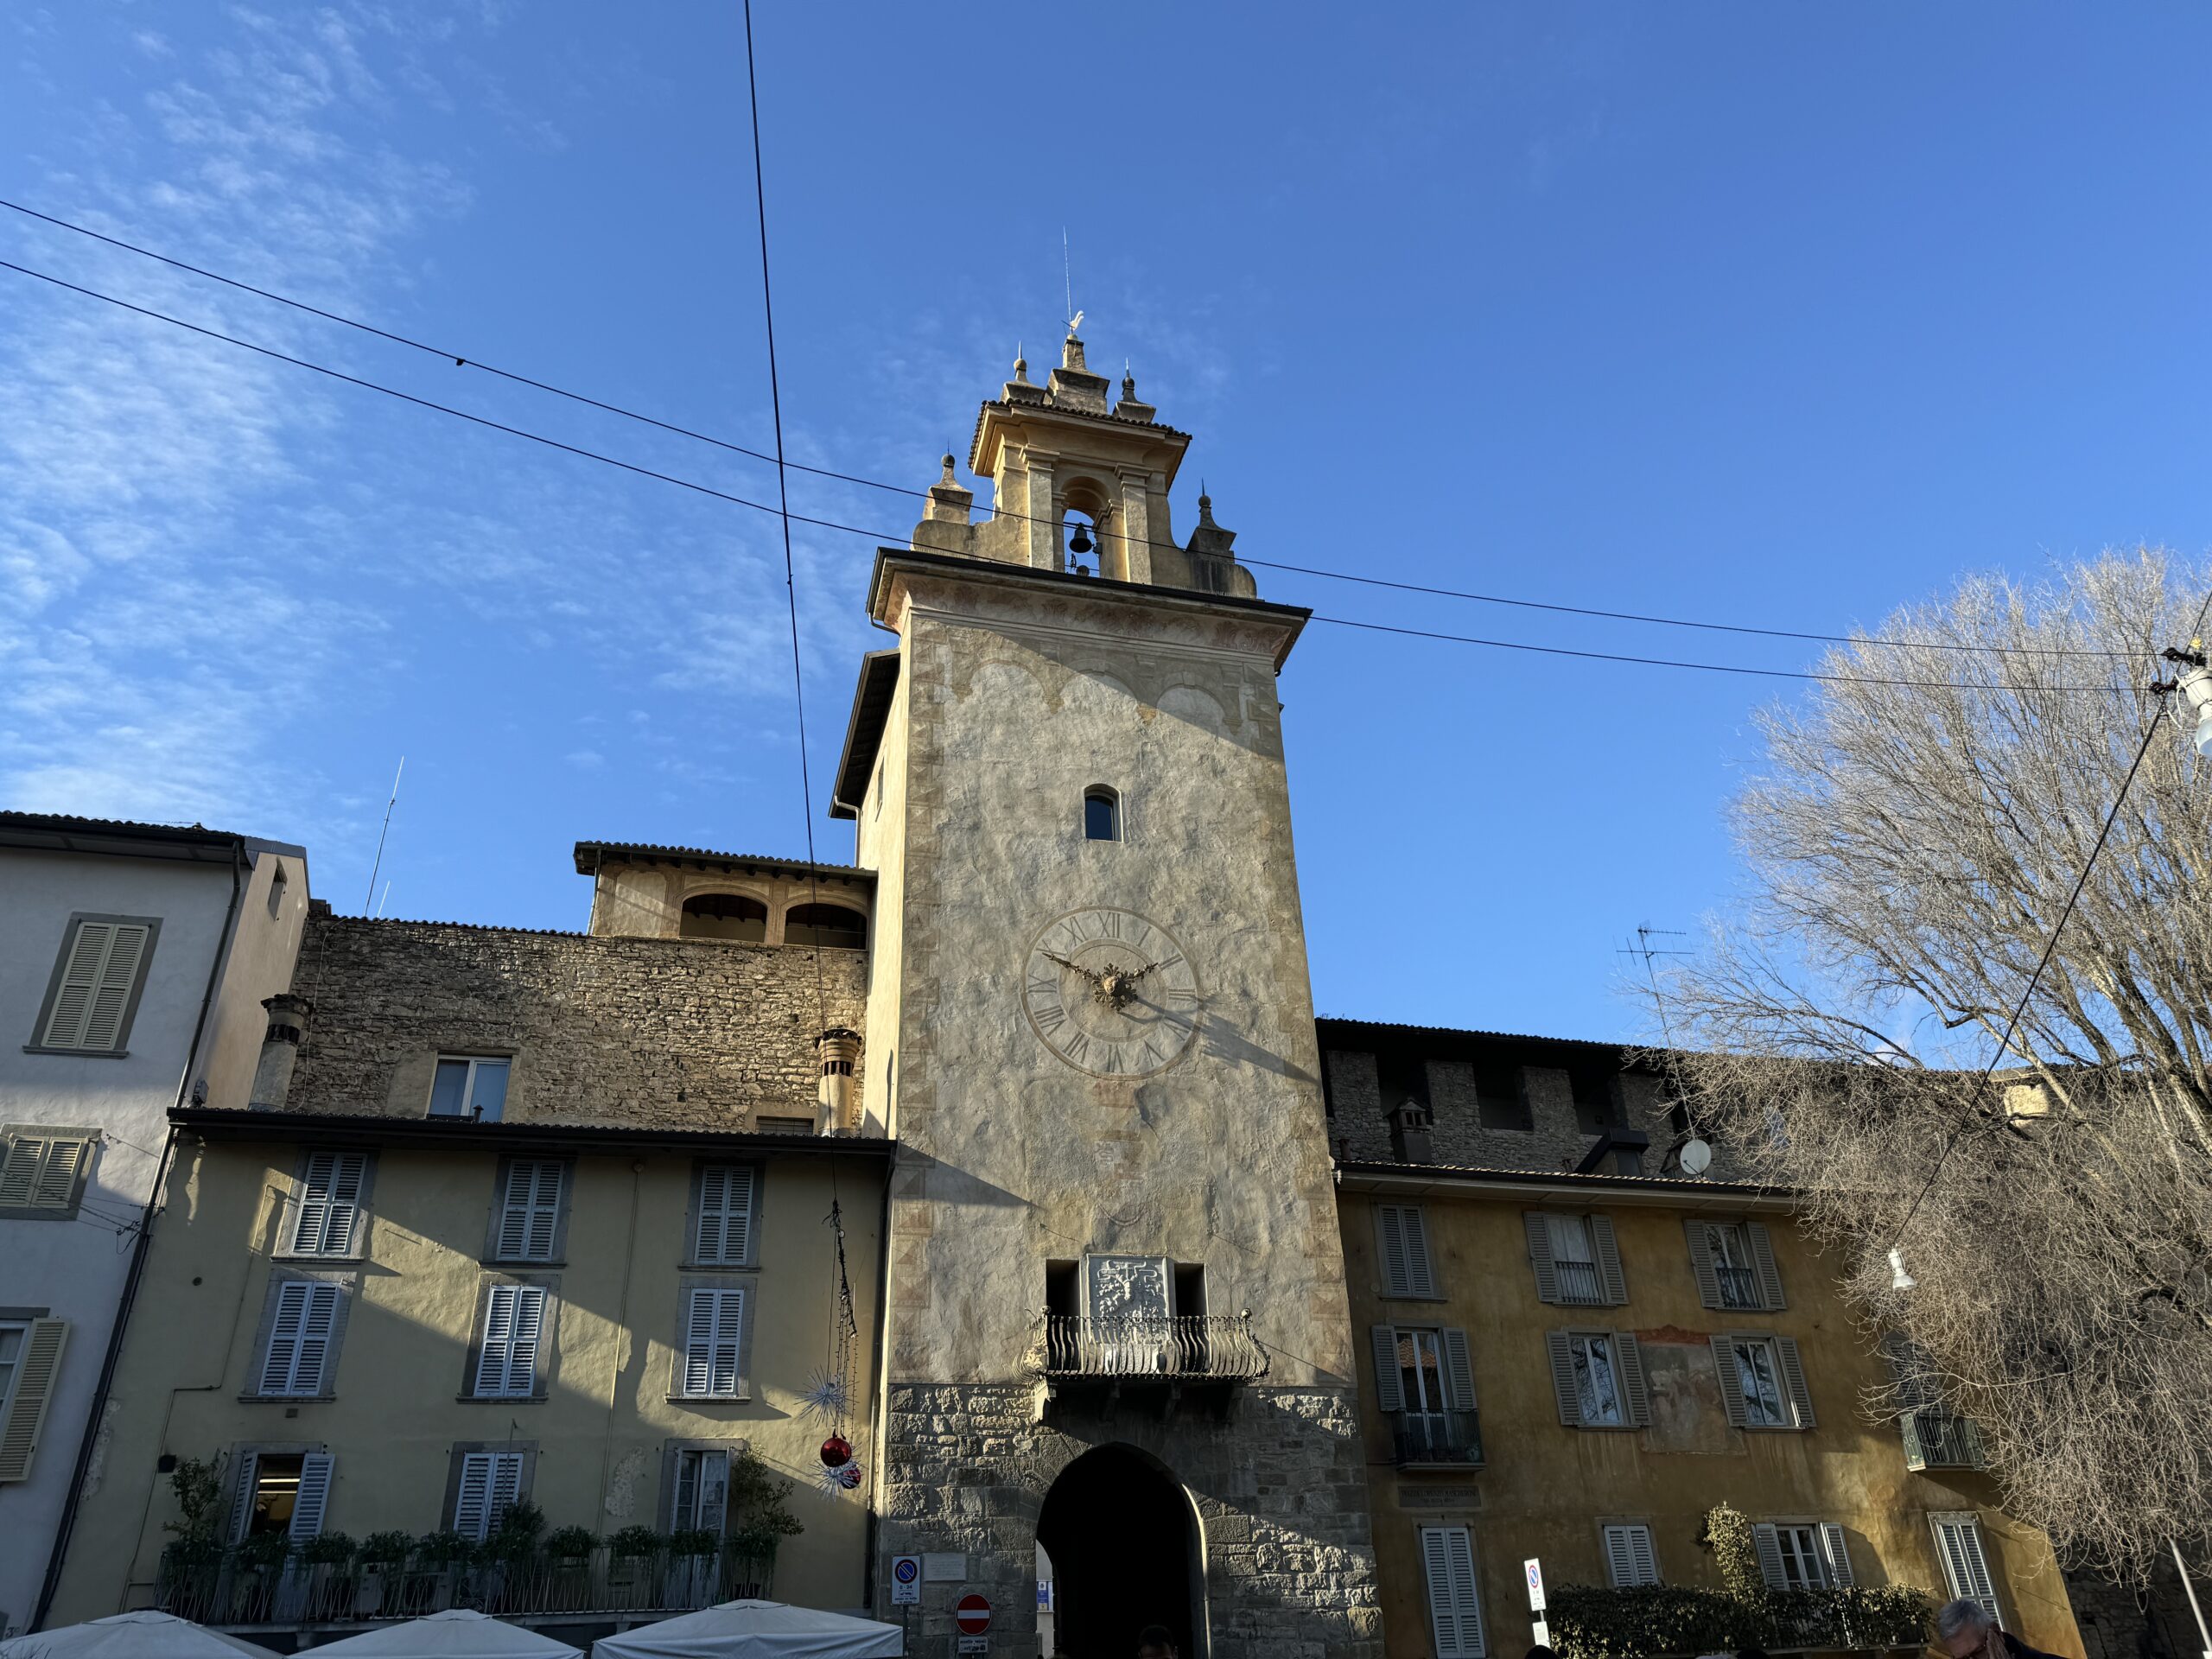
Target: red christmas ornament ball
<point x="836" y="1450"/>
<point x="849" y="1477"/>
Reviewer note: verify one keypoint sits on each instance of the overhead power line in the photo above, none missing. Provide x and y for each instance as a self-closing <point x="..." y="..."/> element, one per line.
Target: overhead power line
<point x="460" y="359"/>
<point x="899" y="538"/>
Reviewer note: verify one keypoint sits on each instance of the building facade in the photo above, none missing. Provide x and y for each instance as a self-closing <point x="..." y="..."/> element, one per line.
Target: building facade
<point x="135" y="961"/>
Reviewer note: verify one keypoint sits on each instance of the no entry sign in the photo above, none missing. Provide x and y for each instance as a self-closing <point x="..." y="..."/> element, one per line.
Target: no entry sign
<point x="973" y="1615"/>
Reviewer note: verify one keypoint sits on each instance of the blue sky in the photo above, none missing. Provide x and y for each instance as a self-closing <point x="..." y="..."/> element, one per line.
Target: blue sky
<point x="1777" y="315"/>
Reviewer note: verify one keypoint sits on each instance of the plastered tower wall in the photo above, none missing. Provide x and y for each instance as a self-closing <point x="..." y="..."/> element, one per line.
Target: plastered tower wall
<point x="1019" y="691"/>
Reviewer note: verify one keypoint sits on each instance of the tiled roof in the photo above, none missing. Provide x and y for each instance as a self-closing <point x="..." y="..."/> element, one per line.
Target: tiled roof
<point x="65" y="831"/>
<point x="590" y="852"/>
<point x="1556" y="1177"/>
<point x="1400" y="1032"/>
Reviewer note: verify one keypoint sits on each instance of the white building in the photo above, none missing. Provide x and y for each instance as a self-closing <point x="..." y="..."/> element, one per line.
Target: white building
<point x="134" y="959"/>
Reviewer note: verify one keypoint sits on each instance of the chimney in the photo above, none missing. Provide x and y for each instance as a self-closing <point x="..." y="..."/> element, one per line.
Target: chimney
<point x="839" y="1087"/>
<point x="1413" y="1139"/>
<point x="280" y="1049"/>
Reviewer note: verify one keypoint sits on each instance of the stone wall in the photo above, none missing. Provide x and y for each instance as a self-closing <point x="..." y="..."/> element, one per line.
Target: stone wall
<point x="1280" y="1488"/>
<point x="680" y="1033"/>
<point x="2121" y="1621"/>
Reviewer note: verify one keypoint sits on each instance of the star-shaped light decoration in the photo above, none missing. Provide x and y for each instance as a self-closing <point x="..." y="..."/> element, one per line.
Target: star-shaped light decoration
<point x="827" y="1395"/>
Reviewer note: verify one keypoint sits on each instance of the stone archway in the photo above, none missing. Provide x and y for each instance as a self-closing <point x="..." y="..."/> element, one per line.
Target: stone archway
<point x="1126" y="1552"/>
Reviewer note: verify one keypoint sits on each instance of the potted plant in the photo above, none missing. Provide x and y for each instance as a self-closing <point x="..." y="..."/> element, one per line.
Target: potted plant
<point x="191" y="1563"/>
<point x="568" y="1557"/>
<point x="383" y="1557"/>
<point x="632" y="1555"/>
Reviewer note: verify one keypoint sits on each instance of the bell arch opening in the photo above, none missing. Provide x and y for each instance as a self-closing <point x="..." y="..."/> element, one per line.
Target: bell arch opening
<point x="1123" y="1539"/>
<point x="724" y="916"/>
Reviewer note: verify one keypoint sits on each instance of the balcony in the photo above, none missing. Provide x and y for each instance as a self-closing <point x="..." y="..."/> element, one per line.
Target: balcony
<point x="1936" y="1438"/>
<point x="1579" y="1282"/>
<point x="1739" y="1287"/>
<point x="625" y="1579"/>
<point x="1436" y="1439"/>
<point x="1206" y="1355"/>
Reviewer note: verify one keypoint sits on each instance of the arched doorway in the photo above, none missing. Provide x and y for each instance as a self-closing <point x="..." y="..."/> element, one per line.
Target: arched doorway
<point x="1124" y="1543"/>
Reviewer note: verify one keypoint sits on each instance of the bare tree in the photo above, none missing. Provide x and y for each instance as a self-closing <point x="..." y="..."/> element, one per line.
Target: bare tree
<point x="1912" y="841"/>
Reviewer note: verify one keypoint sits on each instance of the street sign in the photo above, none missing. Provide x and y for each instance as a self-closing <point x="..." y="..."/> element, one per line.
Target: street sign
<point x="906" y="1580"/>
<point x="1534" y="1569"/>
<point x="974" y="1644"/>
<point x="973" y="1615"/>
<point x="1540" y="1633"/>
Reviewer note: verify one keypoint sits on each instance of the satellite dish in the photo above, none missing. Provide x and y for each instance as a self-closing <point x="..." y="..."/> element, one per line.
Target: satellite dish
<point x="1696" y="1157"/>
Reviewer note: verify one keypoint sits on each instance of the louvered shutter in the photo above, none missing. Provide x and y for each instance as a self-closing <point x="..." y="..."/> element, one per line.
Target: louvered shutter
<point x="1701" y="1268"/>
<point x="725" y="1213"/>
<point x="1793" y="1379"/>
<point x="522" y="1353"/>
<point x="472" y="1506"/>
<point x="1647" y="1562"/>
<point x="315" y="1496"/>
<point x="1958" y="1540"/>
<point x="1562" y="1357"/>
<point x="242" y="1498"/>
<point x="1454" y="1611"/>
<point x="41" y="1363"/>
<point x="514" y="1320"/>
<point x="1629" y="1558"/>
<point x="318" y="1331"/>
<point x="1540" y="1255"/>
<point x="1732" y="1381"/>
<point x="1390" y="1385"/>
<point x="711" y="1342"/>
<point x="330" y="1202"/>
<point x="315" y="1202"/>
<point x="1608" y="1254"/>
<point x="1769" y="1554"/>
<point x="1628" y="1360"/>
<point x="1392" y="1237"/>
<point x="277" y="1363"/>
<point x="1420" y="1276"/>
<point x="96" y="983"/>
<point x="1770" y="1276"/>
<point x="1459" y="1371"/>
<point x="531" y="1209"/>
<point x="506" y="1487"/>
<point x="42" y="1169"/>
<point x="1835" y="1550"/>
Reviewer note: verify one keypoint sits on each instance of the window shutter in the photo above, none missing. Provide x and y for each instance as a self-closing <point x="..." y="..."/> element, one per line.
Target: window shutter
<point x="472" y="1506"/>
<point x="1958" y="1540"/>
<point x="1708" y="1281"/>
<point x="725" y="1213"/>
<point x="514" y="1322"/>
<point x="1769" y="1554"/>
<point x="1454" y="1612"/>
<point x="330" y="1203"/>
<point x="531" y="1209"/>
<point x="1390" y="1387"/>
<point x="242" y="1499"/>
<point x="522" y="1355"/>
<point x="1459" y="1371"/>
<point x="1835" y="1547"/>
<point x="1916" y="1454"/>
<point x="313" y="1498"/>
<point x="1609" y="1261"/>
<point x="1732" y="1381"/>
<point x="42" y="1167"/>
<point x="710" y="1356"/>
<point x="278" y="1364"/>
<point x="1421" y="1277"/>
<point x="26" y="1415"/>
<point x="1628" y="1360"/>
<point x="315" y="1202"/>
<point x="1540" y="1255"/>
<point x="506" y="1487"/>
<point x="1793" y="1378"/>
<point x="1562" y="1356"/>
<point x="95" y="991"/>
<point x="1770" y="1276"/>
<point x="1647" y="1562"/>
<point x="318" y="1325"/>
<point x="1620" y="1565"/>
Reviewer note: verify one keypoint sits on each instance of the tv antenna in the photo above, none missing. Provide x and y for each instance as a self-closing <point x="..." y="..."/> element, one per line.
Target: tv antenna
<point x="1693" y="1151"/>
<point x="369" y="897"/>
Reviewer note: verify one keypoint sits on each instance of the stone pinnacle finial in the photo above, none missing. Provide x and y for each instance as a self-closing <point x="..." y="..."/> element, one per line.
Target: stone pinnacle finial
<point x="948" y="478"/>
<point x="1020" y="364"/>
<point x="1128" y="382"/>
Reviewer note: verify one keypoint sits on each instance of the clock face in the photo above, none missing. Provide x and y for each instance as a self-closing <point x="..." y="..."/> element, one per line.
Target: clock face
<point x="1111" y="994"/>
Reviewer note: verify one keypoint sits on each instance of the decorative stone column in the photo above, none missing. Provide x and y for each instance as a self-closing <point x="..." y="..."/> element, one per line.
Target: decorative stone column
<point x="280" y="1049"/>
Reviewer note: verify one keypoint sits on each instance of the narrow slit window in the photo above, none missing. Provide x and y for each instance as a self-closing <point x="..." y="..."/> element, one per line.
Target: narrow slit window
<point x="1101" y="815"/>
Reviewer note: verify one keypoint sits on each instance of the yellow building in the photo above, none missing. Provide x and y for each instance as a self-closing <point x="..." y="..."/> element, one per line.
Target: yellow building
<point x="1574" y="1360"/>
<point x="517" y="1219"/>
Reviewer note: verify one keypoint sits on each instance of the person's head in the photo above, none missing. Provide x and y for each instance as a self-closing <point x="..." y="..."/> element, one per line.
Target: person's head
<point x="1154" y="1643"/>
<point x="1540" y="1651"/>
<point x="1962" y="1628"/>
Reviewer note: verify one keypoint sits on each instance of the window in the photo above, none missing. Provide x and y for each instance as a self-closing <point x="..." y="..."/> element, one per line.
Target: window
<point x="1629" y="1557"/>
<point x="1576" y="1258"/>
<point x="528" y="1227"/>
<point x="1500" y="1100"/>
<point x="831" y="926"/>
<point x="712" y="1332"/>
<point x="42" y="1171"/>
<point x="491" y="1481"/>
<point x="1101" y="815"/>
<point x="1455" y="1613"/>
<point x="1592" y="1083"/>
<point x="30" y="1357"/>
<point x="1597" y="1379"/>
<point x="470" y="1085"/>
<point x="783" y="1125"/>
<point x="1734" y="1264"/>
<point x="702" y="1491"/>
<point x="284" y="1492"/>
<point x="1802" y="1555"/>
<point x="1401" y="1231"/>
<point x="331" y="1188"/>
<point x="723" y="1234"/>
<point x="299" y="1351"/>
<point x="1934" y="1436"/>
<point x="1762" y="1381"/>
<point x="1425" y="1379"/>
<point x="508" y="1349"/>
<point x="1966" y="1564"/>
<point x="97" y="982"/>
<point x="724" y="916"/>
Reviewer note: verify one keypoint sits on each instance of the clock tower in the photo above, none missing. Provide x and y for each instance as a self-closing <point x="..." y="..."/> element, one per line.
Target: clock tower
<point x="1117" y="1352"/>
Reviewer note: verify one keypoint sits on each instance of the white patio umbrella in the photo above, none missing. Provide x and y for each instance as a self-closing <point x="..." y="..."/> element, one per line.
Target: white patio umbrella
<point x="144" y="1635"/>
<point x="457" y="1633"/>
<point x="755" y="1630"/>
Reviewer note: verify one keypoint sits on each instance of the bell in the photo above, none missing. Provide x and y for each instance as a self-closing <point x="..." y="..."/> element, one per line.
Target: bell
<point x="1080" y="542"/>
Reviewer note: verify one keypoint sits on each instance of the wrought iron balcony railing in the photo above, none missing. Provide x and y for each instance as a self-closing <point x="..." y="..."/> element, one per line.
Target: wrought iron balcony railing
<point x="1739" y="1287"/>
<point x="1187" y="1347"/>
<point x="1445" y="1437"/>
<point x="1579" y="1282"/>
<point x="1936" y="1438"/>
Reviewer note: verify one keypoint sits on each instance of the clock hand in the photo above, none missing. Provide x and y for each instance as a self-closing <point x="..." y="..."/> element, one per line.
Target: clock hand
<point x="1092" y="975"/>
